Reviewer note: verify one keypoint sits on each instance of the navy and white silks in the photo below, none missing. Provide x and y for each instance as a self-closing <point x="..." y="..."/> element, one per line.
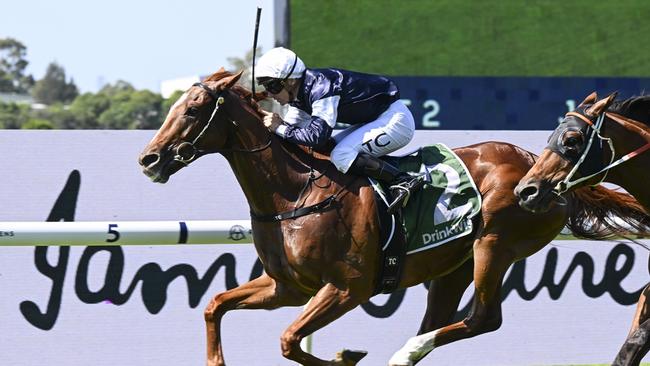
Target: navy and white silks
<point x="380" y="122"/>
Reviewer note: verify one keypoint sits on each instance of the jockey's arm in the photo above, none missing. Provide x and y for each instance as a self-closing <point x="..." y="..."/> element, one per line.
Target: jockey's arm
<point x="315" y="134"/>
<point x="318" y="130"/>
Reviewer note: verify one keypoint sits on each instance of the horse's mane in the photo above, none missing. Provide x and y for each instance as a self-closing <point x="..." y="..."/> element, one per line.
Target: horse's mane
<point x="636" y="108"/>
<point x="594" y="213"/>
<point x="242" y="91"/>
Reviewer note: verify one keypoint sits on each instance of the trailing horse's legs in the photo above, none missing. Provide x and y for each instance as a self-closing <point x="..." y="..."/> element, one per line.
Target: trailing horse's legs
<point x="490" y="264"/>
<point x="329" y="304"/>
<point x="444" y="296"/>
<point x="260" y="293"/>
<point x="637" y="343"/>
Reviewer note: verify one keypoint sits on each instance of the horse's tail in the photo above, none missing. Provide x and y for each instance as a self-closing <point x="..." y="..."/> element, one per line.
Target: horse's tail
<point x="601" y="213"/>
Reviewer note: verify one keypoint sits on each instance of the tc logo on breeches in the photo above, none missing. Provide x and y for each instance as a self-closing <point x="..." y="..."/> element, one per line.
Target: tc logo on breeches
<point x="376" y="142"/>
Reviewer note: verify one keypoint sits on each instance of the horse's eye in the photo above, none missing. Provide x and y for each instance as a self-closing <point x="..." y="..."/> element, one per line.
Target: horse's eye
<point x="571" y="141"/>
<point x="192" y="111"/>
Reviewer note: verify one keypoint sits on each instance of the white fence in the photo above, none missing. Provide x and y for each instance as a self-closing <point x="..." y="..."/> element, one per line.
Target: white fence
<point x="125" y="233"/>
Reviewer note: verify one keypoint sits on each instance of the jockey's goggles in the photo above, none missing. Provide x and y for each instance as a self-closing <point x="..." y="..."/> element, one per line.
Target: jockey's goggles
<point x="275" y="86"/>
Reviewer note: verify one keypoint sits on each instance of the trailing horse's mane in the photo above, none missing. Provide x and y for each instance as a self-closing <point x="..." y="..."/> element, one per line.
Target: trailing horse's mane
<point x="636" y="108"/>
<point x="596" y="213"/>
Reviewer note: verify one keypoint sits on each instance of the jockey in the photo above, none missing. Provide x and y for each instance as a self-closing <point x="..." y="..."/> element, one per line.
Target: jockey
<point x="319" y="98"/>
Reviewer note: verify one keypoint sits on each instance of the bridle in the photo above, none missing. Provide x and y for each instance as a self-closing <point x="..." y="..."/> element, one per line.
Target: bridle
<point x="299" y="211"/>
<point x="194" y="153"/>
<point x="596" y="127"/>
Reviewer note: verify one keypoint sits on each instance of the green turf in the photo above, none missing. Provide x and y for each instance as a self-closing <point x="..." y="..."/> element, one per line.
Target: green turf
<point x="475" y="37"/>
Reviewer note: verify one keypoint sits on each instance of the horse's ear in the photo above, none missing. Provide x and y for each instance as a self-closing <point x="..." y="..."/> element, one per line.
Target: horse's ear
<point x="230" y="81"/>
<point x="221" y="70"/>
<point x="601" y="105"/>
<point x="591" y="99"/>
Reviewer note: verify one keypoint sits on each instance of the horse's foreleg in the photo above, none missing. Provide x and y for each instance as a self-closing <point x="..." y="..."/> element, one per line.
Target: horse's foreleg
<point x="260" y="293"/>
<point x="490" y="266"/>
<point x="444" y="296"/>
<point x="637" y="343"/>
<point x="329" y="304"/>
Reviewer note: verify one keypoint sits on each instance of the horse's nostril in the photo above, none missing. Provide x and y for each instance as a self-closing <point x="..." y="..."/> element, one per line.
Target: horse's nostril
<point x="149" y="159"/>
<point x="527" y="192"/>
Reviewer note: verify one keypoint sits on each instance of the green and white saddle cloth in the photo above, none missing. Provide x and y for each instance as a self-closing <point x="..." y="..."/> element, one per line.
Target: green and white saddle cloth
<point x="443" y="209"/>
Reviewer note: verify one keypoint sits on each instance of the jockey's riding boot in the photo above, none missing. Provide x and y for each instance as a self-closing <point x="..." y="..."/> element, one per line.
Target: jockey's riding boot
<point x="401" y="184"/>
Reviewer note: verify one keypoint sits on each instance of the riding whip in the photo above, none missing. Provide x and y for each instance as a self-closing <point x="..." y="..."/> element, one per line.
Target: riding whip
<point x="257" y="28"/>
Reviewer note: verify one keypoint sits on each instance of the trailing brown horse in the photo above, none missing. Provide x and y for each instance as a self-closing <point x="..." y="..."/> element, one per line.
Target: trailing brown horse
<point x="601" y="140"/>
<point x="331" y="254"/>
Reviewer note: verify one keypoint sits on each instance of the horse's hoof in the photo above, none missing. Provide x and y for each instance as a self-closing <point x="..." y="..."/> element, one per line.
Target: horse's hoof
<point x="350" y="357"/>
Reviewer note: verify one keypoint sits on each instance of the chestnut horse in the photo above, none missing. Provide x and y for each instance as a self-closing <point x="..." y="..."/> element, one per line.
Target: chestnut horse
<point x="601" y="140"/>
<point x="331" y="253"/>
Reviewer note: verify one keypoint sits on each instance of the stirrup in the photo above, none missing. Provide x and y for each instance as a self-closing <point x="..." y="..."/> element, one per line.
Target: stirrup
<point x="404" y="190"/>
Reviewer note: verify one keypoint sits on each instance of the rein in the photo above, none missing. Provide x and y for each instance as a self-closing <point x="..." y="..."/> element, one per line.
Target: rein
<point x="195" y="153"/>
<point x="302" y="211"/>
<point x="566" y="184"/>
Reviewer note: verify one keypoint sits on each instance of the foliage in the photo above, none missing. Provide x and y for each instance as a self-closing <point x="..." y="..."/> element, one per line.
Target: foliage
<point x="115" y="106"/>
<point x="13" y="78"/>
<point x="53" y="87"/>
<point x="85" y="111"/>
<point x="37" y="124"/>
<point x="13" y="115"/>
<point x="132" y="109"/>
<point x="474" y="37"/>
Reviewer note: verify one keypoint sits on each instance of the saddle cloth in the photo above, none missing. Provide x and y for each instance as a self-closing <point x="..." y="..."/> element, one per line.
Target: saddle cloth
<point x="443" y="209"/>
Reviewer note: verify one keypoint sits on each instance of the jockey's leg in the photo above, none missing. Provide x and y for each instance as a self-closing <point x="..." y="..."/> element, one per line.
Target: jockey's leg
<point x="402" y="184"/>
<point x="359" y="146"/>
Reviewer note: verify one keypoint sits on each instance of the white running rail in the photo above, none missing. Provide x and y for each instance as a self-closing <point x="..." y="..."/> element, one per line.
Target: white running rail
<point x="92" y="233"/>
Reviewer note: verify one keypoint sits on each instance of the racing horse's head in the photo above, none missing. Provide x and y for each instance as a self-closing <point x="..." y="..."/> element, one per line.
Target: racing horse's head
<point x="199" y="123"/>
<point x="574" y="151"/>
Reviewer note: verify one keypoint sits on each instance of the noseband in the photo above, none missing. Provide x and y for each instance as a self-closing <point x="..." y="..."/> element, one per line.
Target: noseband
<point x="191" y="153"/>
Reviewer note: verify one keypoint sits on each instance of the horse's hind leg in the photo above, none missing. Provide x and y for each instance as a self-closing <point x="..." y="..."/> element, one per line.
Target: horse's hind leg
<point x="444" y="296"/>
<point x="329" y="304"/>
<point x="260" y="293"/>
<point x="490" y="265"/>
<point x="637" y="343"/>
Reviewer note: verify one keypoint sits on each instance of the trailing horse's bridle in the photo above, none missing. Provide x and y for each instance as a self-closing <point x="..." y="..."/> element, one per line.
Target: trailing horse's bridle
<point x="186" y="152"/>
<point x="591" y="152"/>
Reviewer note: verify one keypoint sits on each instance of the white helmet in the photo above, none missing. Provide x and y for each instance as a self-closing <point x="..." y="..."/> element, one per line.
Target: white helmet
<point x="279" y="63"/>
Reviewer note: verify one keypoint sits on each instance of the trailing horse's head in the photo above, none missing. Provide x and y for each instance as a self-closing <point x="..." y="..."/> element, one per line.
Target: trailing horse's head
<point x="574" y="151"/>
<point x="195" y="125"/>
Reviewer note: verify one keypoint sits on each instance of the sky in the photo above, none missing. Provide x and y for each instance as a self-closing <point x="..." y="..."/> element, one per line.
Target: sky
<point x="142" y="42"/>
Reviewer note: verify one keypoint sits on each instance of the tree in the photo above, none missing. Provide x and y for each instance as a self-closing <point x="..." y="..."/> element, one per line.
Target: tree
<point x="53" y="87"/>
<point x="84" y="111"/>
<point x="13" y="115"/>
<point x="118" y="87"/>
<point x="133" y="109"/>
<point x="37" y="124"/>
<point x="12" y="67"/>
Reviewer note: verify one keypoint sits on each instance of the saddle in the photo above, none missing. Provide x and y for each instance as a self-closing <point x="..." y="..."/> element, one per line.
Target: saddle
<point x="439" y="212"/>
